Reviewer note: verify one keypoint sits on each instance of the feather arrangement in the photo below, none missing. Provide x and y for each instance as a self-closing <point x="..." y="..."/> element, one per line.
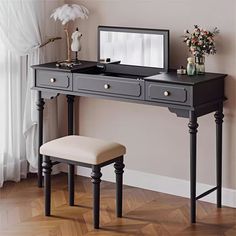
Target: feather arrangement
<point x="67" y="13"/>
<point x="70" y="12"/>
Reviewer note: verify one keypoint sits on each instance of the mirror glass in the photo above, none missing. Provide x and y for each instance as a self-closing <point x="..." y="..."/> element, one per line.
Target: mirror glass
<point x="132" y="48"/>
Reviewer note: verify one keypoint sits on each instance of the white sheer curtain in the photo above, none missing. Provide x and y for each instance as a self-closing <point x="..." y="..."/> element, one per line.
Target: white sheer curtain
<point x="13" y="163"/>
<point x="22" y="30"/>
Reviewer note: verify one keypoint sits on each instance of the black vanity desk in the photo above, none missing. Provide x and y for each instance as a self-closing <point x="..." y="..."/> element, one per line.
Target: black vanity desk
<point x="188" y="97"/>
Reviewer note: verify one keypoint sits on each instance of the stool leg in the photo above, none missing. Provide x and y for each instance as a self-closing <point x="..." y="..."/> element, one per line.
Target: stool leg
<point x="119" y="166"/>
<point x="96" y="179"/>
<point x="47" y="169"/>
<point x="71" y="184"/>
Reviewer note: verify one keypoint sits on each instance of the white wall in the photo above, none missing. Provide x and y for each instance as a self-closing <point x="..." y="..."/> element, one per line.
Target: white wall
<point x="157" y="141"/>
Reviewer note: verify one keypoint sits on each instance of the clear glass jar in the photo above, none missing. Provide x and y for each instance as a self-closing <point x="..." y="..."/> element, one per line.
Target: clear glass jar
<point x="200" y="65"/>
<point x="190" y="66"/>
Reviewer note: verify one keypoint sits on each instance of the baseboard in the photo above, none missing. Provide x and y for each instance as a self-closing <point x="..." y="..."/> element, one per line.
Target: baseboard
<point x="162" y="184"/>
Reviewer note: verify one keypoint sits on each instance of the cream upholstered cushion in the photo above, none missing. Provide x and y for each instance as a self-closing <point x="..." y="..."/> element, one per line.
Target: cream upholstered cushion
<point x="82" y="149"/>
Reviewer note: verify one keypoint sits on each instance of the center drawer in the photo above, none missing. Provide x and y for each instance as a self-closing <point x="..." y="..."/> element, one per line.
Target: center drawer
<point x="109" y="86"/>
<point x="53" y="79"/>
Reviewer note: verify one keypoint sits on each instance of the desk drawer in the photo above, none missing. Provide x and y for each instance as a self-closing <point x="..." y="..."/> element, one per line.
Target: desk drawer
<point x="166" y="93"/>
<point x="51" y="79"/>
<point x="109" y="86"/>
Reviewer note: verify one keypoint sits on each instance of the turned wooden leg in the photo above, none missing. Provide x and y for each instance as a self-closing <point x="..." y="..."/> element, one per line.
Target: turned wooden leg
<point x="219" y="120"/>
<point x="119" y="170"/>
<point x="71" y="168"/>
<point x="96" y="179"/>
<point x="47" y="169"/>
<point x="71" y="184"/>
<point x="193" y="125"/>
<point x="40" y="105"/>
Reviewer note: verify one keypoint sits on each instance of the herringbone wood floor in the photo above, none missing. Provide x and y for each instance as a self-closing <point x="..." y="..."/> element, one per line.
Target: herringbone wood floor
<point x="145" y="212"/>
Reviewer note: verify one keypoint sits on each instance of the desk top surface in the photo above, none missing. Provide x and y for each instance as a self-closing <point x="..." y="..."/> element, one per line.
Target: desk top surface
<point x="52" y="66"/>
<point x="173" y="77"/>
<point x="170" y="77"/>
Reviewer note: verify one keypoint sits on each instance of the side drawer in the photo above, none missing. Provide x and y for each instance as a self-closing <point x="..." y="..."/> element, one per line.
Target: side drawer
<point x="109" y="86"/>
<point x="53" y="79"/>
<point x="168" y="93"/>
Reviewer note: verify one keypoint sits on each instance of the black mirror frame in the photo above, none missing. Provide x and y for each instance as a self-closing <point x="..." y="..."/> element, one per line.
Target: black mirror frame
<point x="163" y="32"/>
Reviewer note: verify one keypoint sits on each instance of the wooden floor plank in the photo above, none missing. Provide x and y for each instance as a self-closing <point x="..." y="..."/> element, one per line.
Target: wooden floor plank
<point x="145" y="212"/>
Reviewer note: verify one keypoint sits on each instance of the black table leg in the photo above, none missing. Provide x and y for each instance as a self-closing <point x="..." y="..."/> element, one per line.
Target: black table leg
<point x="71" y="168"/>
<point x="193" y="125"/>
<point x="219" y="120"/>
<point x="70" y="103"/>
<point x="40" y="105"/>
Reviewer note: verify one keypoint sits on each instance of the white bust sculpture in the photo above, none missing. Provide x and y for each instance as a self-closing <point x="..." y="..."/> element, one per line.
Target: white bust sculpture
<point x="76" y="44"/>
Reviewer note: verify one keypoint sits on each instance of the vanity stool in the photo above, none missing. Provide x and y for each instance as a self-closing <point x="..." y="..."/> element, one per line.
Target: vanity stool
<point x="88" y="152"/>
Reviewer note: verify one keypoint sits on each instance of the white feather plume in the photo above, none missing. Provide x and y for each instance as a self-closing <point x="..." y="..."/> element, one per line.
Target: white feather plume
<point x="70" y="12"/>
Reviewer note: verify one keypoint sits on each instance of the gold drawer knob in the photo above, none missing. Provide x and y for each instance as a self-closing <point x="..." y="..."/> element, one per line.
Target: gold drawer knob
<point x="52" y="80"/>
<point x="106" y="86"/>
<point x="166" y="93"/>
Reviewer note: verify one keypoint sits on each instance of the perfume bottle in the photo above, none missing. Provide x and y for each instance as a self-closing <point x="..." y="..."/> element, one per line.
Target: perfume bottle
<point x="191" y="66"/>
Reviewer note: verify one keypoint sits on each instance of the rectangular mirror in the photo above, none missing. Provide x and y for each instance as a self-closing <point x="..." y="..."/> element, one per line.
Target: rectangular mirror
<point x="133" y="46"/>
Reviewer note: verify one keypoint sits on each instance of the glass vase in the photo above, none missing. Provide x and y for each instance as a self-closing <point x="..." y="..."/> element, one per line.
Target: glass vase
<point x="191" y="66"/>
<point x="200" y="65"/>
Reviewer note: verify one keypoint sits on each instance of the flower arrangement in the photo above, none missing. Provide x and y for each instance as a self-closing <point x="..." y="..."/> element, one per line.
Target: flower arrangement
<point x="201" y="42"/>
